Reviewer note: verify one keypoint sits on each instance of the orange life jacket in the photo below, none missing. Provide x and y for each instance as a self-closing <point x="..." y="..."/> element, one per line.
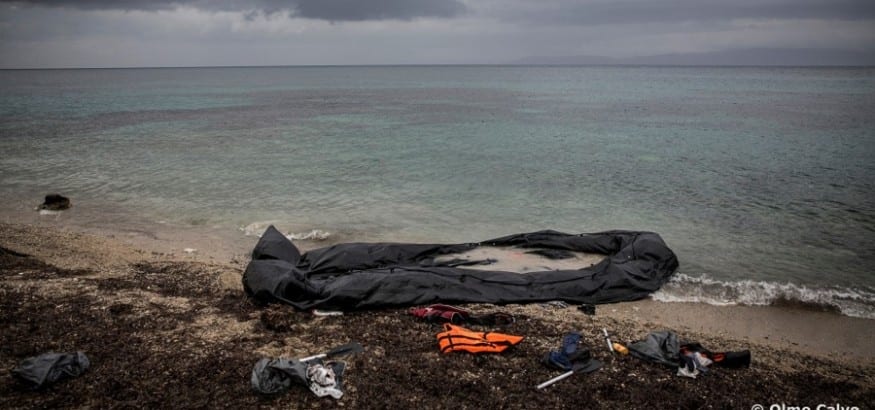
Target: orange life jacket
<point x="457" y="338"/>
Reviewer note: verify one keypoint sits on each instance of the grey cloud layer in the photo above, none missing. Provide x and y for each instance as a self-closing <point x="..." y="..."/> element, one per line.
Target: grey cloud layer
<point x="91" y="33"/>
<point x="332" y="10"/>
<point x="666" y="11"/>
<point x="532" y="11"/>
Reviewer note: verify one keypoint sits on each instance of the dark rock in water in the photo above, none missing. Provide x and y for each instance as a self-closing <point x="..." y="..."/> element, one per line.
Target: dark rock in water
<point x="56" y="202"/>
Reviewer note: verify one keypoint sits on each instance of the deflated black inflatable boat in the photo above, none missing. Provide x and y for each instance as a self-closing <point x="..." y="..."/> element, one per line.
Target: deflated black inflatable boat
<point x="359" y="275"/>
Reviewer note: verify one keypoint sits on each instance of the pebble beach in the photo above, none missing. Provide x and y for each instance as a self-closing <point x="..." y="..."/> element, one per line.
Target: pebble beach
<point x="174" y="327"/>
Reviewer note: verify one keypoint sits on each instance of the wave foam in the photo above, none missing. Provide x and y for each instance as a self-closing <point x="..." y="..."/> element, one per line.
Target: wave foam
<point x="257" y="228"/>
<point x="685" y="288"/>
<point x="314" y="235"/>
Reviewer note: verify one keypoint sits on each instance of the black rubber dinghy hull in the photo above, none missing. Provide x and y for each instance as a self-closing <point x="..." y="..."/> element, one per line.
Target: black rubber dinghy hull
<point x="354" y="276"/>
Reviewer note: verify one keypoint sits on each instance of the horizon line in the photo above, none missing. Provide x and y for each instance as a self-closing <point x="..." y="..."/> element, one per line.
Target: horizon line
<point x="451" y="65"/>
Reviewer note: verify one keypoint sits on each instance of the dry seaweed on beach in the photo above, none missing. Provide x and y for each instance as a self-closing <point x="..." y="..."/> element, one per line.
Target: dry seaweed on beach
<point x="169" y="333"/>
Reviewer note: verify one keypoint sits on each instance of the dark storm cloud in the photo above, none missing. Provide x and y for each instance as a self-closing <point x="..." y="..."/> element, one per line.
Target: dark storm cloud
<point x="100" y="4"/>
<point x="666" y="11"/>
<point x="332" y="10"/>
<point x="377" y="9"/>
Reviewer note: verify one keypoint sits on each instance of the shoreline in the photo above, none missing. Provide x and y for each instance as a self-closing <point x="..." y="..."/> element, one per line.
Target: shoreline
<point x="135" y="230"/>
<point x="807" y="330"/>
<point x="151" y="322"/>
<point x="230" y="243"/>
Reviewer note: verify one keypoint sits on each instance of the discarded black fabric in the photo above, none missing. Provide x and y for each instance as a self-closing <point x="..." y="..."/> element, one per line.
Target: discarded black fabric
<point x="561" y="359"/>
<point x="554" y="254"/>
<point x="273" y="245"/>
<point x="587" y="309"/>
<point x="274" y="376"/>
<point x="572" y="356"/>
<point x="658" y="347"/>
<point x="46" y="369"/>
<point x="732" y="359"/>
<point x="663" y="347"/>
<point x="358" y="275"/>
<point x="456" y="262"/>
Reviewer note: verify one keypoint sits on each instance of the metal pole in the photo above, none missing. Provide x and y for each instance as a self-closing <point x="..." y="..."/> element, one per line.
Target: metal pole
<point x="555" y="379"/>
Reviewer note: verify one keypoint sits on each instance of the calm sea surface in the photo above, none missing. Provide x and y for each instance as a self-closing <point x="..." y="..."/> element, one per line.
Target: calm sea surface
<point x="761" y="179"/>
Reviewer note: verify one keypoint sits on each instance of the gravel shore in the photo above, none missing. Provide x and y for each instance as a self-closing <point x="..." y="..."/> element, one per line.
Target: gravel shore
<point x="176" y="331"/>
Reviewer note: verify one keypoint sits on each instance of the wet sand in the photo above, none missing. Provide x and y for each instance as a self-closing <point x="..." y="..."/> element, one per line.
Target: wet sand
<point x="806" y="330"/>
<point x="165" y="327"/>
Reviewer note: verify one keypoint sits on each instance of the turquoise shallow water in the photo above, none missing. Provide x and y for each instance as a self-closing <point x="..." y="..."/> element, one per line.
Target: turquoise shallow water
<point x="759" y="178"/>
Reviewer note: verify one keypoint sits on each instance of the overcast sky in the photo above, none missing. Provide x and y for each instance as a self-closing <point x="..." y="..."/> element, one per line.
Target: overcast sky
<point x="137" y="33"/>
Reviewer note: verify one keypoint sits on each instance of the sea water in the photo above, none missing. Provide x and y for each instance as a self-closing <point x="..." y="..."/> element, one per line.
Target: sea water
<point x="760" y="179"/>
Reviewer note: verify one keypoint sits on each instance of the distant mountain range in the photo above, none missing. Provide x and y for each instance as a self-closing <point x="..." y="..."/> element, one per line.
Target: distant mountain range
<point x="740" y="57"/>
